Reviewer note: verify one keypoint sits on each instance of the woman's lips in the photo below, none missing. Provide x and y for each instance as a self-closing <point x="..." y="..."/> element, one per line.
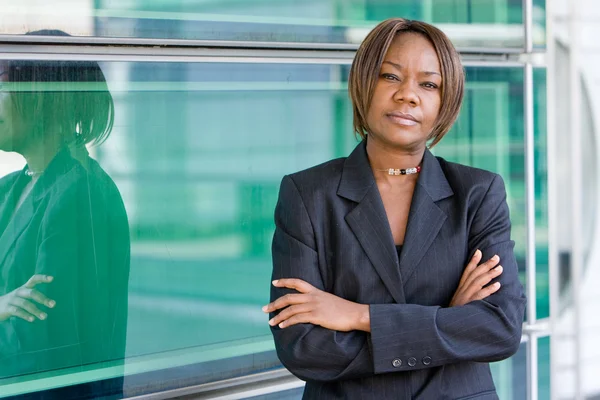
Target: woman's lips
<point x="403" y="119"/>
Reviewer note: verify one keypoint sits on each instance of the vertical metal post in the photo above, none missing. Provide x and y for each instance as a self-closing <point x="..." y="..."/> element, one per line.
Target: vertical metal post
<point x="528" y="25"/>
<point x="532" y="353"/>
<point x="532" y="374"/>
<point x="553" y="270"/>
<point x="576" y="186"/>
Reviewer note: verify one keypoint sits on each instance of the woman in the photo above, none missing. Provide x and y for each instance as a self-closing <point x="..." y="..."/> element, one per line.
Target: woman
<point x="64" y="236"/>
<point x="394" y="274"/>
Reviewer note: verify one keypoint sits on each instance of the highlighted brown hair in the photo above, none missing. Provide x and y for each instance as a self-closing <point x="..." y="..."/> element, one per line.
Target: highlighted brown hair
<point x="367" y="65"/>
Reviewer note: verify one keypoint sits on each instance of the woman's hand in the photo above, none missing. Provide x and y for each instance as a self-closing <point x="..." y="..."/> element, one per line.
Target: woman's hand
<point x="474" y="278"/>
<point x="20" y="302"/>
<point x="314" y="306"/>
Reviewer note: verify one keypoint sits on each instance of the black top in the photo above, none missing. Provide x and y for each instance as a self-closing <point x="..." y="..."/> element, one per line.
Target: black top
<point x="398" y="250"/>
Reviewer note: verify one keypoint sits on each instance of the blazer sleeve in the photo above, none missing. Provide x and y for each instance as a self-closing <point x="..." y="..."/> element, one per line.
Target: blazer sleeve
<point x="308" y="351"/>
<point x="481" y="331"/>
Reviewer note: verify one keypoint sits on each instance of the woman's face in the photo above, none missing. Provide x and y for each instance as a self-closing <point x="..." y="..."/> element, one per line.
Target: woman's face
<point x="11" y="133"/>
<point x="408" y="93"/>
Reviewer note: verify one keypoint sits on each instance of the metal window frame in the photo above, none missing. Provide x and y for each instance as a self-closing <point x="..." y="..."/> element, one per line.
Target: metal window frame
<point x="236" y="388"/>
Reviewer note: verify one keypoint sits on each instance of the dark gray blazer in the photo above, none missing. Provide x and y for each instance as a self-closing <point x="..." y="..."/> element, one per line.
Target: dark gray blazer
<point x="332" y="231"/>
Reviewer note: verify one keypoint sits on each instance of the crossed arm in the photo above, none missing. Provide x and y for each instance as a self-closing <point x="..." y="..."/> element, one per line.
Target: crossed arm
<point x="320" y="336"/>
<point x="313" y="306"/>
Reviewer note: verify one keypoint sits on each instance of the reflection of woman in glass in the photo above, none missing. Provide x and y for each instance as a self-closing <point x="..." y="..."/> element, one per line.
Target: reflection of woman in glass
<point x="388" y="283"/>
<point x="64" y="236"/>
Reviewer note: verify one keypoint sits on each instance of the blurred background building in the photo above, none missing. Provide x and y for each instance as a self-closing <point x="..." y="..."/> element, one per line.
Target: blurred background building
<point x="215" y="100"/>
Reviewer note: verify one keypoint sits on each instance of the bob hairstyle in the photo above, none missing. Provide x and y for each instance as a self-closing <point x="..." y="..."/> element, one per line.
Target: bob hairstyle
<point x="367" y="63"/>
<point x="65" y="98"/>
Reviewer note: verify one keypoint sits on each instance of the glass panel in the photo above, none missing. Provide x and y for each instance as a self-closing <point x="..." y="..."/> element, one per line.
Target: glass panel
<point x="489" y="134"/>
<point x="539" y="24"/>
<point x="510" y="376"/>
<point x="293" y="394"/>
<point x="541" y="194"/>
<point x="481" y="23"/>
<point x="196" y="153"/>
<point x="544" y="368"/>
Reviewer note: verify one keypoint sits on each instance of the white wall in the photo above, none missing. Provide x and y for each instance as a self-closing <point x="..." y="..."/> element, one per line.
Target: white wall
<point x="588" y="331"/>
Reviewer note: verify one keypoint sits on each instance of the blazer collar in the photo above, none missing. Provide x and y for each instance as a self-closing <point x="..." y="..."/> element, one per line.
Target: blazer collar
<point x="357" y="176"/>
<point x="11" y="188"/>
<point x="368" y="220"/>
<point x="52" y="178"/>
<point x="55" y="172"/>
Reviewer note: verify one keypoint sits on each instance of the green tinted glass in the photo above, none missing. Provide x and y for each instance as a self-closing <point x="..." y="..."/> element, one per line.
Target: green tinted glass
<point x="544" y="368"/>
<point x="510" y="375"/>
<point x="541" y="193"/>
<point x="482" y="23"/>
<point x="196" y="155"/>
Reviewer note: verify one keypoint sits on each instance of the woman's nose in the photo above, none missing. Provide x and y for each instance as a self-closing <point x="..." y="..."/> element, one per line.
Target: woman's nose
<point x="405" y="93"/>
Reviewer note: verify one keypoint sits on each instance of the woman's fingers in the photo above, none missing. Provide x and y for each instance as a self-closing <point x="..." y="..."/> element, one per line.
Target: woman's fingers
<point x="471" y="266"/>
<point x="20" y="313"/>
<point x="37" y="279"/>
<point x="289" y="299"/>
<point x="28" y="306"/>
<point x="476" y="285"/>
<point x="473" y="282"/>
<point x="293" y="283"/>
<point x="304" y="318"/>
<point x="36" y="296"/>
<point x="482" y="269"/>
<point x="289" y="312"/>
<point x="487" y="291"/>
<point x="486" y="278"/>
<point x="286" y="300"/>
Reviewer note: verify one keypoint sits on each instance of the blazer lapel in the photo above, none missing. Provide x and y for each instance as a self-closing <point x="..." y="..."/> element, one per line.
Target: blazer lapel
<point x="13" y="227"/>
<point x="368" y="220"/>
<point x="425" y="218"/>
<point x="56" y="171"/>
<point x="9" y="195"/>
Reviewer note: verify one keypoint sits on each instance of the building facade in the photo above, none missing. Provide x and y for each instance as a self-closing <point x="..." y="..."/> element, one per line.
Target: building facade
<point x="214" y="101"/>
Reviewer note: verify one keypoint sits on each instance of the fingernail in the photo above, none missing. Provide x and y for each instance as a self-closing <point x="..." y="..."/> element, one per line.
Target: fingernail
<point x="51" y="303"/>
<point x="49" y="278"/>
<point x="495" y="258"/>
<point x="43" y="316"/>
<point x="499" y="268"/>
<point x="478" y="252"/>
<point x="281" y="325"/>
<point x="497" y="284"/>
<point x="264" y="309"/>
<point x="271" y="321"/>
<point x="275" y="282"/>
<point x="30" y="319"/>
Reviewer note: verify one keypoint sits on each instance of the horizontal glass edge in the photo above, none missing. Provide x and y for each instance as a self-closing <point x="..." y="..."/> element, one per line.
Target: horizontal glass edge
<point x="137" y="54"/>
<point x="182" y="43"/>
<point x="136" y="366"/>
<point x="260" y="383"/>
<point x="277" y="380"/>
<point x="218" y="86"/>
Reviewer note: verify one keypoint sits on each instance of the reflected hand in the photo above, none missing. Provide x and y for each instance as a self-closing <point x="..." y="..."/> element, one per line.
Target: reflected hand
<point x="317" y="307"/>
<point x="474" y="278"/>
<point x="20" y="302"/>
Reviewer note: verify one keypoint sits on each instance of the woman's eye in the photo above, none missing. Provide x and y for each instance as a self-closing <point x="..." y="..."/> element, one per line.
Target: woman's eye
<point x="389" y="77"/>
<point x="430" y="85"/>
